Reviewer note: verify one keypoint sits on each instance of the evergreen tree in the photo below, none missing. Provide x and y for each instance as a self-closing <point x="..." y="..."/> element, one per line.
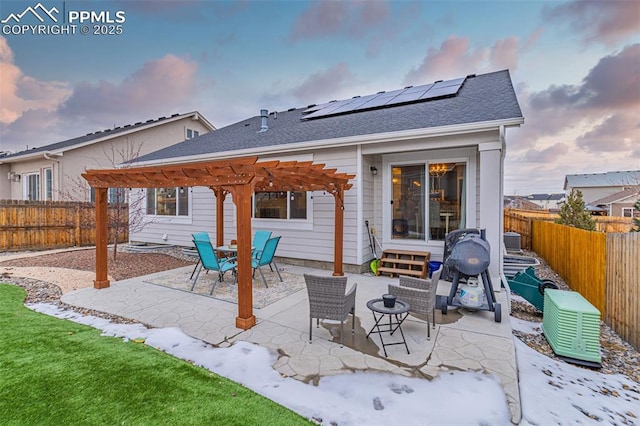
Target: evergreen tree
<point x="636" y="220"/>
<point x="573" y="213"/>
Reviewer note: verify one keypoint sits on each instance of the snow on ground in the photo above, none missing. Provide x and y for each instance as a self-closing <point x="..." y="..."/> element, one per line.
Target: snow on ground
<point x="551" y="392"/>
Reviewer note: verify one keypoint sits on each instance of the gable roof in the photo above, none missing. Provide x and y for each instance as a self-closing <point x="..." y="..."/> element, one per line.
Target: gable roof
<point x="618" y="197"/>
<point x="100" y="136"/>
<point x="545" y="197"/>
<point x="487" y="98"/>
<point x="596" y="180"/>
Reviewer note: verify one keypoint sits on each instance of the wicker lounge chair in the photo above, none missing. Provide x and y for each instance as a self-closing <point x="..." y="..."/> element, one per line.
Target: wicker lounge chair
<point x="327" y="300"/>
<point x="420" y="294"/>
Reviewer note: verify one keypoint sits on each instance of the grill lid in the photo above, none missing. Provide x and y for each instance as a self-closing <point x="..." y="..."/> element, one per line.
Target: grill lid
<point x="470" y="255"/>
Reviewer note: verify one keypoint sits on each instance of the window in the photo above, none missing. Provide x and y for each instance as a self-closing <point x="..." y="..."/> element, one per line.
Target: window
<point x="48" y="184"/>
<point x="280" y="205"/>
<point x="630" y="212"/>
<point x="32" y="187"/>
<point x="168" y="201"/>
<point x="420" y="215"/>
<point x="192" y="134"/>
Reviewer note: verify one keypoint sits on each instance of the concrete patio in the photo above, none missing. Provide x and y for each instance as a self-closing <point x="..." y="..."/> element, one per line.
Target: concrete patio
<point x="461" y="341"/>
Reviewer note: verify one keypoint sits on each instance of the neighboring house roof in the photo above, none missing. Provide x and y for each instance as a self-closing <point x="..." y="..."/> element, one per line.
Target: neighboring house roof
<point x="545" y="197"/>
<point x="594" y="180"/>
<point x="484" y="99"/>
<point x="99" y="136"/>
<point x="517" y="202"/>
<point x="618" y="197"/>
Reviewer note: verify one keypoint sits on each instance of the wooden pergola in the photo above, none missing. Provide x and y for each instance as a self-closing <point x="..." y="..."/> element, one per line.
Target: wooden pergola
<point x="240" y="177"/>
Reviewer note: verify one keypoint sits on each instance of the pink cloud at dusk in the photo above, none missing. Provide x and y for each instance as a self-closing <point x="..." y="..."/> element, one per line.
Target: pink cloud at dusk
<point x="328" y="18"/>
<point x="546" y="155"/>
<point x="20" y="92"/>
<point x="323" y="84"/>
<point x="159" y="86"/>
<point x="603" y="109"/>
<point x="31" y="108"/>
<point x="598" y="21"/>
<point x="456" y="57"/>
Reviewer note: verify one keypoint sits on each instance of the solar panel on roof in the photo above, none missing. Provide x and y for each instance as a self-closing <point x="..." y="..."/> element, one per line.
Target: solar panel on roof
<point x="439" y="92"/>
<point x="447" y="83"/>
<point x="386" y="99"/>
<point x="376" y="102"/>
<point x="422" y="88"/>
<point x="407" y="97"/>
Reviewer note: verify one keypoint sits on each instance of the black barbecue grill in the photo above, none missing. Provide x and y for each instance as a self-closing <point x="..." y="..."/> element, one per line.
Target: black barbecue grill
<point x="467" y="255"/>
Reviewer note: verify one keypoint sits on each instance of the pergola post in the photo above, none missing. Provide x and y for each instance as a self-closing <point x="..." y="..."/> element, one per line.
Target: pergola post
<point x="242" y="199"/>
<point x="220" y="194"/>
<point x="338" y="243"/>
<point x="102" y="237"/>
<point x="238" y="176"/>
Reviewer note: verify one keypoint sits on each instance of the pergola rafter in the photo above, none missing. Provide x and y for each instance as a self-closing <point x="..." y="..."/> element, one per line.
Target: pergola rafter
<point x="240" y="177"/>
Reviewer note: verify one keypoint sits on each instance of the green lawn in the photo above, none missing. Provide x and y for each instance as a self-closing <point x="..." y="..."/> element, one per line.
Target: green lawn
<point x="58" y="372"/>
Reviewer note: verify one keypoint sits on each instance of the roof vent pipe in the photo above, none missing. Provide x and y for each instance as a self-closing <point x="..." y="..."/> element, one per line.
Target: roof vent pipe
<point x="264" y="114"/>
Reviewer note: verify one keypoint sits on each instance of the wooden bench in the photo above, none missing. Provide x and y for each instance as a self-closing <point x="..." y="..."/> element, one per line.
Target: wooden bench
<point x="404" y="262"/>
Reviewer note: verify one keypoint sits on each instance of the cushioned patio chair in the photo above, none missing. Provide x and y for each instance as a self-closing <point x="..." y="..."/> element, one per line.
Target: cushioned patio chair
<point x="211" y="262"/>
<point x="328" y="300"/>
<point x="259" y="240"/>
<point x="266" y="258"/>
<point x="420" y="294"/>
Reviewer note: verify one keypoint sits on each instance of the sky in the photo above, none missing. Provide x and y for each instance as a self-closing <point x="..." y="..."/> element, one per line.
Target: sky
<point x="552" y="392"/>
<point x="575" y="66"/>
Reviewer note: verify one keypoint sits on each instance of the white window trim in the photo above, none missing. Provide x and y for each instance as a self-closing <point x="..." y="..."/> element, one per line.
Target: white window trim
<point x="468" y="156"/>
<point x="630" y="209"/>
<point x="44" y="187"/>
<point x="25" y="185"/>
<point x="298" y="224"/>
<point x="161" y="218"/>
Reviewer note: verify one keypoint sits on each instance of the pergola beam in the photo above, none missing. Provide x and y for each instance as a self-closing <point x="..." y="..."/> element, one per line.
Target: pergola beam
<point x="239" y="176"/>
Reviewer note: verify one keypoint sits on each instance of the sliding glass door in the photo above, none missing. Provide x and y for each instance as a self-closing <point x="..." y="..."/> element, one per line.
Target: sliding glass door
<point x="428" y="200"/>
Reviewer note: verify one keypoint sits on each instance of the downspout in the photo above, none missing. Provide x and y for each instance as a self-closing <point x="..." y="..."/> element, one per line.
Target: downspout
<point x="359" y="207"/>
<point x="48" y="155"/>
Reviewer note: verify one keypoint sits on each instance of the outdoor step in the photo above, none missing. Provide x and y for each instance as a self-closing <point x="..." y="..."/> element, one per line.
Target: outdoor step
<point x="407" y="252"/>
<point x="397" y="271"/>
<point x="404" y="262"/>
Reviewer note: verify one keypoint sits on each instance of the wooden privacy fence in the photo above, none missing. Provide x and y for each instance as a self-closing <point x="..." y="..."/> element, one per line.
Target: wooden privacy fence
<point x="520" y="221"/>
<point x="604" y="268"/>
<point x="578" y="256"/>
<point x="622" y="311"/>
<point x="40" y="225"/>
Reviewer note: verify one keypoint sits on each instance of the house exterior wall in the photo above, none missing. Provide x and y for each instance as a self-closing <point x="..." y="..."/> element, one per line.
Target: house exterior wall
<point x="368" y="199"/>
<point x="616" y="208"/>
<point x="311" y="239"/>
<point x="66" y="169"/>
<point x="591" y="194"/>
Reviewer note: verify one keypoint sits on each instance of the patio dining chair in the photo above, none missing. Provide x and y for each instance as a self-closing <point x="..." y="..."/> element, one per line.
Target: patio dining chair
<point x="211" y="262"/>
<point x="199" y="236"/>
<point x="328" y="300"/>
<point x="420" y="294"/>
<point x="266" y="257"/>
<point x="259" y="240"/>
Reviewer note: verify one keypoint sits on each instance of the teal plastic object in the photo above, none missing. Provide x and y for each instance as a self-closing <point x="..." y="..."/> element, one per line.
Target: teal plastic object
<point x="572" y="327"/>
<point x="528" y="286"/>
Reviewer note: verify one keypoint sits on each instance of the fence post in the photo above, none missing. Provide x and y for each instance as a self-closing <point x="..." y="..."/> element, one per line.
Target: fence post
<point x="77" y="241"/>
